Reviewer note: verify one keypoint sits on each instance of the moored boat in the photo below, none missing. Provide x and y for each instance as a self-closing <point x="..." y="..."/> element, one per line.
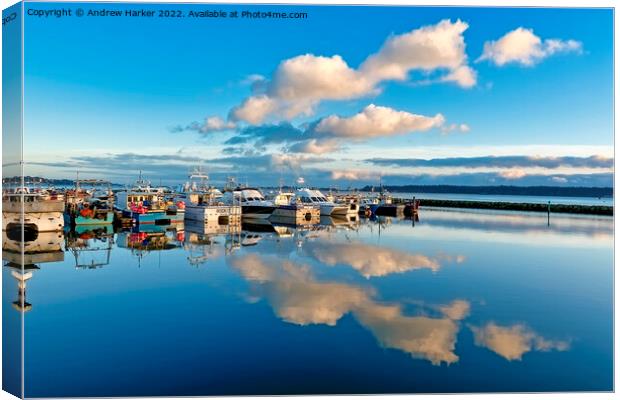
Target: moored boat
<point x="147" y="205"/>
<point x="253" y="203"/>
<point x="204" y="202"/>
<point x="91" y="202"/>
<point x="289" y="210"/>
<point x="316" y="198"/>
<point x="42" y="211"/>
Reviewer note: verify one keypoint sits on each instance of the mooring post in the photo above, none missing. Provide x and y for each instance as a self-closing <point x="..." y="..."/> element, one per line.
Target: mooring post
<point x="548" y="211"/>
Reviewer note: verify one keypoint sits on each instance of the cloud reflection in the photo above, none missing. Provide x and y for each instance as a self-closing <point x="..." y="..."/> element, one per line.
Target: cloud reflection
<point x="511" y="342"/>
<point x="298" y="297"/>
<point x="373" y="261"/>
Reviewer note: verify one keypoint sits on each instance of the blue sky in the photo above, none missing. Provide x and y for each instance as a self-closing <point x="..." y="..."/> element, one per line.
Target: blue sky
<point x="488" y="91"/>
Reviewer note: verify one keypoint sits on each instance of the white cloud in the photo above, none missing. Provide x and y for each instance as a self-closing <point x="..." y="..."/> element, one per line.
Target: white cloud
<point x="254" y="109"/>
<point x="301" y="82"/>
<point x="464" y="76"/>
<point x="559" y="179"/>
<point x="311" y="78"/>
<point x="427" y="48"/>
<point x="374" y="121"/>
<point x="522" y="46"/>
<point x="513" y="174"/>
<point x="511" y="342"/>
<point x="315" y="146"/>
<point x="353" y="175"/>
<point x="463" y="128"/>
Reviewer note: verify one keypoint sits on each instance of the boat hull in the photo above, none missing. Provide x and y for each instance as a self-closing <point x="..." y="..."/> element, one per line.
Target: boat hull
<point x="336" y="210"/>
<point x="155" y="217"/>
<point x="34" y="222"/>
<point x="257" y="212"/>
<point x="390" y="210"/>
<point x="213" y="213"/>
<point x="103" y="218"/>
<point x="296" y="214"/>
<point x="353" y="208"/>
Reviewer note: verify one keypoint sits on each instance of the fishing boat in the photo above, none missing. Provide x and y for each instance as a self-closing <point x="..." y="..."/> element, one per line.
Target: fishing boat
<point x="204" y="202"/>
<point x="42" y="211"/>
<point x="147" y="205"/>
<point x="386" y="206"/>
<point x="316" y="198"/>
<point x="91" y="202"/>
<point x="253" y="203"/>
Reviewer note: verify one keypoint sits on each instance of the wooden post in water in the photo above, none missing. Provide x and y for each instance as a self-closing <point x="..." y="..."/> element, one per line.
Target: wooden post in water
<point x="548" y="211"/>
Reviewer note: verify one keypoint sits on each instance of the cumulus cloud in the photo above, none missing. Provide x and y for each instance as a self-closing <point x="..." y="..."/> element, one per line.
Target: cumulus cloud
<point x="375" y="121"/>
<point x="327" y="134"/>
<point x="511" y="342"/>
<point x="254" y="109"/>
<point x="522" y="46"/>
<point x="300" y="83"/>
<point x="440" y="46"/>
<point x="464" y="76"/>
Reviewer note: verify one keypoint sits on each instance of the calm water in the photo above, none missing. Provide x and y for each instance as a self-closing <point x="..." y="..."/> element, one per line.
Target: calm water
<point x="458" y="301"/>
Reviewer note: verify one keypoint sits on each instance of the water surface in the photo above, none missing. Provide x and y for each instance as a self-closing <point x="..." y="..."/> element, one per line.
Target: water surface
<point x="458" y="301"/>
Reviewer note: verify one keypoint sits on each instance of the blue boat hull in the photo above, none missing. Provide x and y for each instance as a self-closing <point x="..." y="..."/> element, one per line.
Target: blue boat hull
<point x="79" y="220"/>
<point x="155" y="218"/>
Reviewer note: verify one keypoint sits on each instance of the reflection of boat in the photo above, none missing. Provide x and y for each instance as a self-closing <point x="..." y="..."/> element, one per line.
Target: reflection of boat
<point x="46" y="247"/>
<point x="316" y="198"/>
<point x="91" y="248"/>
<point x="142" y="241"/>
<point x="203" y="202"/>
<point x="349" y="221"/>
<point x="22" y="258"/>
<point x="21" y="275"/>
<point x="43" y="211"/>
<point x="202" y="244"/>
<point x="258" y="226"/>
<point x="90" y="203"/>
<point x="147" y="205"/>
<point x="211" y="228"/>
<point x="250" y="238"/>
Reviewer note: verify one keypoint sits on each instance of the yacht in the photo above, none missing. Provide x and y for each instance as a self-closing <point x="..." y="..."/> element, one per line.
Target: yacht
<point x="253" y="203"/>
<point x="316" y="198"/>
<point x="289" y="209"/>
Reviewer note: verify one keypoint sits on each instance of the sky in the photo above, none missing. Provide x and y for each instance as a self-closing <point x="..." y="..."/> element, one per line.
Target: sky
<point x="349" y="96"/>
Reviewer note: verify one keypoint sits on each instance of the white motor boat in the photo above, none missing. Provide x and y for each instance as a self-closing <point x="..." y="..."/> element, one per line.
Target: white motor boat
<point x="316" y="198"/>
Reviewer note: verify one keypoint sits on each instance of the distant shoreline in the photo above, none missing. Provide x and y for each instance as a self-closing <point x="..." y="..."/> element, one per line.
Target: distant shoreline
<point x="555" y="191"/>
